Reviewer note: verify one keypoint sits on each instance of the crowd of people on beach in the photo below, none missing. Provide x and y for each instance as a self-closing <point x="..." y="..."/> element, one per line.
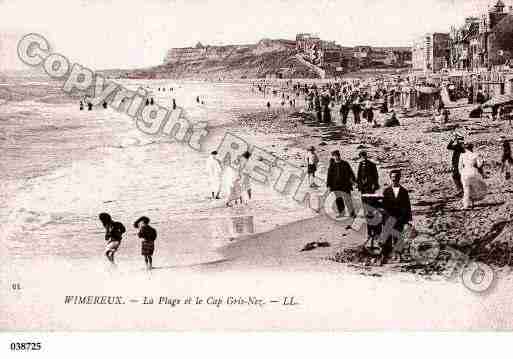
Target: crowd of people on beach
<point x="356" y="100"/>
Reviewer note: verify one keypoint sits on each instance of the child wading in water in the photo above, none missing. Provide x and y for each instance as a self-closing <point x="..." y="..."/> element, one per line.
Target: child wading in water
<point x="113" y="235"/>
<point x="148" y="235"/>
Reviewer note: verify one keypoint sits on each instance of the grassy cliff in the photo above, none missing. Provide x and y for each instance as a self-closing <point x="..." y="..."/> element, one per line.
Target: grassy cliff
<point x="247" y="63"/>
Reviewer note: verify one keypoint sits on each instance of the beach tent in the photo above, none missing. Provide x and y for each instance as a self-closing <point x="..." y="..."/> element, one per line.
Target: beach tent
<point x="427" y="97"/>
<point x="498" y="100"/>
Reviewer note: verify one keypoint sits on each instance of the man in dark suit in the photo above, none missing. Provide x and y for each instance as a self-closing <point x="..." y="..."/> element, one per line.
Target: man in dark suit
<point x="397" y="206"/>
<point x="367" y="178"/>
<point x="318" y="109"/>
<point x="344" y="109"/>
<point x="325" y="104"/>
<point x="357" y="109"/>
<point x="457" y="145"/>
<point x="340" y="180"/>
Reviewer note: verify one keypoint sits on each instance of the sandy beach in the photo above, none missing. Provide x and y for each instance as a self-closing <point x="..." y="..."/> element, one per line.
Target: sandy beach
<point x="65" y="166"/>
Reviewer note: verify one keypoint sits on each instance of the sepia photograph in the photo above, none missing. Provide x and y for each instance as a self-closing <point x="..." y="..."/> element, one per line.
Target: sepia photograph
<point x="267" y="166"/>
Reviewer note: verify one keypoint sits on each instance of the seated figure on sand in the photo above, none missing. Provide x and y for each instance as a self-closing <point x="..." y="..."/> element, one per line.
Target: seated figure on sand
<point x="392" y="121"/>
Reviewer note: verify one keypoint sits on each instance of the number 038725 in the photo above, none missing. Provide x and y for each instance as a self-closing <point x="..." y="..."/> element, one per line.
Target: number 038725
<point x="25" y="346"/>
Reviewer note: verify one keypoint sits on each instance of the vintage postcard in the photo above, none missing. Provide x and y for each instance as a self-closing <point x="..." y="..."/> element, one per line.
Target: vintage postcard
<point x="202" y="165"/>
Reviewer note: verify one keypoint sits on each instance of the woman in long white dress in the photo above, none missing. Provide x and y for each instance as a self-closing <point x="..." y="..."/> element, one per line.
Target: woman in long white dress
<point x="214" y="174"/>
<point x="232" y="185"/>
<point x="507" y="161"/>
<point x="470" y="166"/>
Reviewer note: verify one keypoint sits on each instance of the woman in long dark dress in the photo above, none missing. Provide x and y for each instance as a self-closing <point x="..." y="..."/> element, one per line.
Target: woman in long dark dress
<point x="507" y="160"/>
<point x="148" y="235"/>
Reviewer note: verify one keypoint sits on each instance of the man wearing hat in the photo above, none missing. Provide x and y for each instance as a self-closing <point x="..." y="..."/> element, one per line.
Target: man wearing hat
<point x="457" y="145"/>
<point x="367" y="177"/>
<point x="340" y="181"/>
<point x="397" y="206"/>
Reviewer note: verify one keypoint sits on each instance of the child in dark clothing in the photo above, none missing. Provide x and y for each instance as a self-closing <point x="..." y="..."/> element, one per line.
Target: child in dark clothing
<point x="113" y="235"/>
<point x="148" y="235"/>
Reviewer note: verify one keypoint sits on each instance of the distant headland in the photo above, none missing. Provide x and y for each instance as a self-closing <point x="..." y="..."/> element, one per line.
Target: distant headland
<point x="308" y="56"/>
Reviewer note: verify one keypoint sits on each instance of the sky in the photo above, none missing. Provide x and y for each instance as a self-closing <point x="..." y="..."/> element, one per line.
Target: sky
<point x="105" y="34"/>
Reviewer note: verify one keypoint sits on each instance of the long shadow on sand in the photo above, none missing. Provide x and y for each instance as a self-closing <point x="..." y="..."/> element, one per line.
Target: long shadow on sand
<point x="330" y="132"/>
<point x="476" y="207"/>
<point x="218" y="261"/>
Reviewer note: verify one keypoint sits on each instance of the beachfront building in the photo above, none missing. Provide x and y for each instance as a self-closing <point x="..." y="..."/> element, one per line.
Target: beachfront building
<point x="431" y="52"/>
<point x="362" y="54"/>
<point x="480" y="43"/>
<point x="390" y="56"/>
<point x="500" y="43"/>
<point x="332" y="58"/>
<point x="377" y="57"/>
<point x="349" y="62"/>
<point x="483" y="41"/>
<point x="459" y="43"/>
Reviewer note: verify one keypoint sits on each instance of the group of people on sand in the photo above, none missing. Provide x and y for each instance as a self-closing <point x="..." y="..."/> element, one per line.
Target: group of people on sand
<point x="114" y="234"/>
<point x="354" y="100"/>
<point x="341" y="181"/>
<point x="467" y="173"/>
<point x="467" y="169"/>
<point x="86" y="101"/>
<point x="234" y="183"/>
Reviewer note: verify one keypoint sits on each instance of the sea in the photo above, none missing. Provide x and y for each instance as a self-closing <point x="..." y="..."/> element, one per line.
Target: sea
<point x="61" y="167"/>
